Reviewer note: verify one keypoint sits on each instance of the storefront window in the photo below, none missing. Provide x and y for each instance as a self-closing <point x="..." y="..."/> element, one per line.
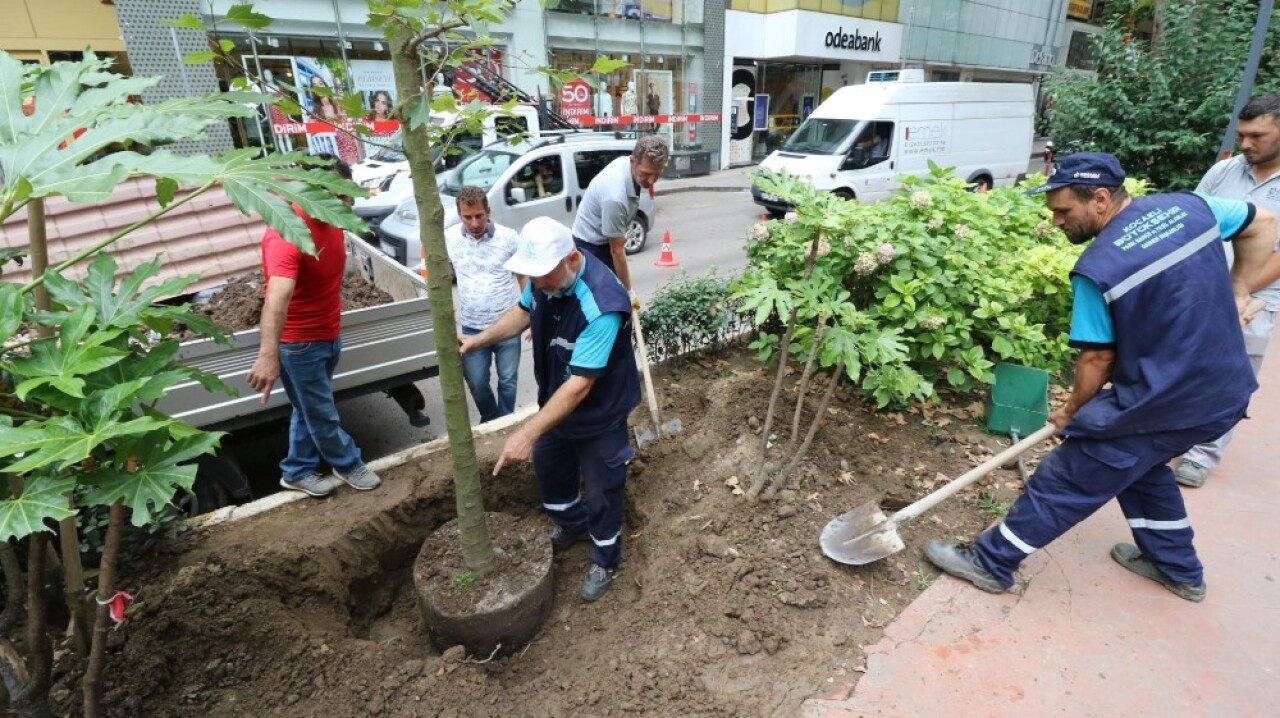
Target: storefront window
<point x="647" y="10"/>
<point x="785" y="94"/>
<point x="651" y="87"/>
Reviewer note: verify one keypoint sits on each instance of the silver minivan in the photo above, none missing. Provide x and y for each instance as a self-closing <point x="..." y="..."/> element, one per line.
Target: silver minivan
<point x="545" y="177"/>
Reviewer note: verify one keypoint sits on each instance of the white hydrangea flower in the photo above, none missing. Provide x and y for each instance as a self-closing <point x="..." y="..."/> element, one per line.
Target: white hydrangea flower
<point x="886" y="253"/>
<point x="791" y="216"/>
<point x="934" y="223"/>
<point x="866" y="264"/>
<point x="932" y="322"/>
<point x="1044" y="229"/>
<point x="962" y="230"/>
<point x="921" y="199"/>
<point x="758" y="232"/>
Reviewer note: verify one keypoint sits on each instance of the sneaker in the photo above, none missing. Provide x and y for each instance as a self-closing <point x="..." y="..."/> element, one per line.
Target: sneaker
<point x="596" y="582"/>
<point x="313" y="485"/>
<point x="962" y="562"/>
<point x="561" y="539"/>
<point x="1190" y="474"/>
<point x="1130" y="556"/>
<point x="360" y="478"/>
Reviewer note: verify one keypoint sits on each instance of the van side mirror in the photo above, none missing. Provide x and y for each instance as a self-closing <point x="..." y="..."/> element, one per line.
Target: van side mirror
<point x="517" y="196"/>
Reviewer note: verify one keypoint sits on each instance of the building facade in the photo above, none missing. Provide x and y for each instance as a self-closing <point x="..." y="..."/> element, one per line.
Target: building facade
<point x="783" y="57"/>
<point x="47" y="31"/>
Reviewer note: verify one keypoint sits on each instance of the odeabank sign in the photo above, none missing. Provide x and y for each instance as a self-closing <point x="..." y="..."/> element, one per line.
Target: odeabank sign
<point x="856" y="41"/>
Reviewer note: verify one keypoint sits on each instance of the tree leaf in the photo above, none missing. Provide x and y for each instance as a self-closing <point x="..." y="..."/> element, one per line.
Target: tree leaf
<point x="11" y="304"/>
<point x="62" y="441"/>
<point x="159" y="474"/>
<point x="244" y="15"/>
<point x="186" y="21"/>
<point x="43" y="500"/>
<point x="198" y="57"/>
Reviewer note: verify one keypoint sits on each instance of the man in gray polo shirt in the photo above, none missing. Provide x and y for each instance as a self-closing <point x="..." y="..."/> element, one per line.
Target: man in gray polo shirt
<point x="611" y="202"/>
<point x="1254" y="176"/>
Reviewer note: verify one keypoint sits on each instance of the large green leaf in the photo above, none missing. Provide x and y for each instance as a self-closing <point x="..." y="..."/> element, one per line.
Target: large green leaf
<point x="11" y="303"/>
<point x="157" y="478"/>
<point x="62" y="441"/>
<point x="43" y="500"/>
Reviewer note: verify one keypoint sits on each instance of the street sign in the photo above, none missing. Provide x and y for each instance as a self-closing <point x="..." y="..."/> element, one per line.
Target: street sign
<point x="575" y="99"/>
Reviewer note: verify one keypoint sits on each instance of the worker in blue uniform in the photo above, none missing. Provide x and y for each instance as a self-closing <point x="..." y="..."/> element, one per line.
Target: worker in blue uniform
<point x="1162" y="367"/>
<point x="580" y="316"/>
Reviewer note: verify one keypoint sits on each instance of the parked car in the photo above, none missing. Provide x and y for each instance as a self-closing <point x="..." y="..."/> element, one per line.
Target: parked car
<point x="540" y="178"/>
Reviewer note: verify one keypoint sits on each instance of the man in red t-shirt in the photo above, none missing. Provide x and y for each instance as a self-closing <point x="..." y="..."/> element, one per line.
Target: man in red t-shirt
<point x="301" y="318"/>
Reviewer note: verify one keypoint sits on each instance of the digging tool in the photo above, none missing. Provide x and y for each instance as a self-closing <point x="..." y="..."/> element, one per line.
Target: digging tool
<point x="656" y="430"/>
<point x="865" y="534"/>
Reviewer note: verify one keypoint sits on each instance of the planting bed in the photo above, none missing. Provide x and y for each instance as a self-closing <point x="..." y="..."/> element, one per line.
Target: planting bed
<point x="721" y="608"/>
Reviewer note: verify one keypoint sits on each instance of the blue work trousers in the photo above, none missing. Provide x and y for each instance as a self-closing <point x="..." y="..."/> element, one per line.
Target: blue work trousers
<point x="505" y="356"/>
<point x="1081" y="475"/>
<point x="600" y="462"/>
<point x="306" y="371"/>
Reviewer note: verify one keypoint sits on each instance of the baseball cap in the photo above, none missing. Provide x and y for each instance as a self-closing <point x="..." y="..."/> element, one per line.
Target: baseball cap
<point x="1100" y="169"/>
<point x="543" y="243"/>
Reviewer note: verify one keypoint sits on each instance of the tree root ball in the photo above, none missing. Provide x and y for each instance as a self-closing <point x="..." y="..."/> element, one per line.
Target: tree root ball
<point x="491" y="615"/>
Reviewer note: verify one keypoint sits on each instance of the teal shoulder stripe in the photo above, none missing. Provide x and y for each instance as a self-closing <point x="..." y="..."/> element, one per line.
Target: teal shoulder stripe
<point x="587" y="300"/>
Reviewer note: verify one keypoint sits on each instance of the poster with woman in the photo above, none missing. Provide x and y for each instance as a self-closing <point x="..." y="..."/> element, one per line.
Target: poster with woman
<point x="320" y="82"/>
<point x="655" y="94"/>
<point x="375" y="82"/>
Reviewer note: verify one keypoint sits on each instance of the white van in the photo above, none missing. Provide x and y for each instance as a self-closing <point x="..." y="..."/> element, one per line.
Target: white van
<point x="863" y="137"/>
<point x="546" y="177"/>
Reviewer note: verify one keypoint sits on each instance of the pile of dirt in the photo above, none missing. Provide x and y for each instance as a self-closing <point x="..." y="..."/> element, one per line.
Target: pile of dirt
<point x="237" y="305"/>
<point x="721" y="607"/>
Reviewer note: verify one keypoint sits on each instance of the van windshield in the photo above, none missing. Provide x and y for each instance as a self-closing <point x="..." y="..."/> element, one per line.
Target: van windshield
<point x="481" y="169"/>
<point x="820" y="136"/>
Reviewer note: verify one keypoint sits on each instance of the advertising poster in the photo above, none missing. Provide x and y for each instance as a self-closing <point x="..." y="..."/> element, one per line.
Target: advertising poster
<point x="761" y="113"/>
<point x="321" y="111"/>
<point x="806" y="107"/>
<point x="375" y="82"/>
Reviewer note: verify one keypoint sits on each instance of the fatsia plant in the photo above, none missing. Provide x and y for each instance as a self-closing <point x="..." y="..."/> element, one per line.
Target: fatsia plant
<point x="80" y="366"/>
<point x="928" y="289"/>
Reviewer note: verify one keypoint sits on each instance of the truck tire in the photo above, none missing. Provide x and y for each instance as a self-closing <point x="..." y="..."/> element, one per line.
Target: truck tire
<point x="637" y="234"/>
<point x="844" y="193"/>
<point x="219" y="478"/>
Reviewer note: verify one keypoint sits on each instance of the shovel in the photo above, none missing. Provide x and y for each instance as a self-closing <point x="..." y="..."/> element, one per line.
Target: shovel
<point x="647" y="434"/>
<point x="865" y="535"/>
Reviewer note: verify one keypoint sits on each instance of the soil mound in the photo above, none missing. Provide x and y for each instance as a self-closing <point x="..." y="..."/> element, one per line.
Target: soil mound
<point x="238" y="304"/>
<point x="720" y="608"/>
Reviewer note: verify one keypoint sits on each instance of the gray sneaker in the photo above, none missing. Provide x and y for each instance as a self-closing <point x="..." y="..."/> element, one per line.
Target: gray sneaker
<point x="596" y="582"/>
<point x="1130" y="556"/>
<point x="962" y="562"/>
<point x="1190" y="474"/>
<point x="360" y="478"/>
<point x="313" y="485"/>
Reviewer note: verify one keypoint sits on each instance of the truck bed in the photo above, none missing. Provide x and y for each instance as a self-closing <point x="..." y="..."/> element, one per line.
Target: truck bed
<point x="383" y="346"/>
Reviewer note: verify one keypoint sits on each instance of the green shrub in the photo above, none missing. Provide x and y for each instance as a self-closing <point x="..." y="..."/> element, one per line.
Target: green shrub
<point x="935" y="285"/>
<point x="691" y="314"/>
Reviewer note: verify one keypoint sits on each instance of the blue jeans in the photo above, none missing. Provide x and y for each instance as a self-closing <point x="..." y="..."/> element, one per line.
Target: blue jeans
<point x="306" y="370"/>
<point x="475" y="369"/>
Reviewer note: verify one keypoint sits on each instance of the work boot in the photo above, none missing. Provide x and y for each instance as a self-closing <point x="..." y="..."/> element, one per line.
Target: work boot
<point x="596" y="582"/>
<point x="313" y="485"/>
<point x="1130" y="556"/>
<point x="962" y="562"/>
<point x="561" y="539"/>
<point x="360" y="478"/>
<point x="1190" y="474"/>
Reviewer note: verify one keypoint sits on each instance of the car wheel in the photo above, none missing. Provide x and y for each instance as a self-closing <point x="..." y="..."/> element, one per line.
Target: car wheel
<point x="776" y="214"/>
<point x="637" y="234"/>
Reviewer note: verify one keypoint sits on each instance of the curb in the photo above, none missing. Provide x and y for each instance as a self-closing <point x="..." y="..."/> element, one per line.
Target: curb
<point x="682" y="190"/>
<point x="228" y="514"/>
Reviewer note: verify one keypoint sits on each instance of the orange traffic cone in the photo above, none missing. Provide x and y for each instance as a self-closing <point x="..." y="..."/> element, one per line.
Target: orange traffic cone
<point x="666" y="259"/>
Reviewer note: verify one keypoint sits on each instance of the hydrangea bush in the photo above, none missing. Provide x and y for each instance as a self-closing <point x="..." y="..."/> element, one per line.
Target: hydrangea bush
<point x="928" y="289"/>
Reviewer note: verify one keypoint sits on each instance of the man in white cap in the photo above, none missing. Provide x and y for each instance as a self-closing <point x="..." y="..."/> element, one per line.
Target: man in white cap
<point x="580" y="315"/>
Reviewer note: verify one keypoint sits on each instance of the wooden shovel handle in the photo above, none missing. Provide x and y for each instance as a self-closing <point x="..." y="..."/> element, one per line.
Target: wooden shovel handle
<point x="971" y="476"/>
<point x="644" y="367"/>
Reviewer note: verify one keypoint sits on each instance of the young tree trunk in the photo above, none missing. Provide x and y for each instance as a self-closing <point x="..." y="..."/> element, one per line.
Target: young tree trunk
<point x="783" y="353"/>
<point x="33" y="700"/>
<point x="15" y="589"/>
<point x="106" y="589"/>
<point x="804" y="379"/>
<point x="782" y="475"/>
<point x="477" y="551"/>
<point x="68" y="534"/>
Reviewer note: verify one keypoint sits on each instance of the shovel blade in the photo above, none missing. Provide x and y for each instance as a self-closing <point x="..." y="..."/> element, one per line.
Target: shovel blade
<point x="860" y="536"/>
<point x="644" y="436"/>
